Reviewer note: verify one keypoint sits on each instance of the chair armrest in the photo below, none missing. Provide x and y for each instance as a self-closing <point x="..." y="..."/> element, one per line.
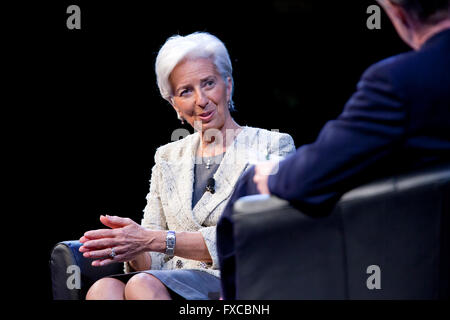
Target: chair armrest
<point x="72" y="274"/>
<point x="399" y="225"/>
<point x="279" y="251"/>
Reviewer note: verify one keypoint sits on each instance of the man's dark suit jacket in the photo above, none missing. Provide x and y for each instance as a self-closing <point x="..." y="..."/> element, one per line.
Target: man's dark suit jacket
<point x="398" y="119"/>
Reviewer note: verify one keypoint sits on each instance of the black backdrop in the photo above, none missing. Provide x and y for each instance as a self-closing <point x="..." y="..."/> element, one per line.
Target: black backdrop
<point x="94" y="114"/>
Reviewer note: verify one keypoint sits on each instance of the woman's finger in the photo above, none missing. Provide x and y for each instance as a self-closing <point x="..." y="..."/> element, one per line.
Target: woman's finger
<point x="97" y="254"/>
<point x="107" y="261"/>
<point x="103" y="253"/>
<point x="100" y="262"/>
<point x="83" y="239"/>
<point x="119" y="221"/>
<point x="106" y="220"/>
<point x="100" y="244"/>
<point x="100" y="233"/>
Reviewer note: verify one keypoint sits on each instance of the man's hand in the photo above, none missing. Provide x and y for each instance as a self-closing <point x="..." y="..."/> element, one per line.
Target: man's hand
<point x="261" y="177"/>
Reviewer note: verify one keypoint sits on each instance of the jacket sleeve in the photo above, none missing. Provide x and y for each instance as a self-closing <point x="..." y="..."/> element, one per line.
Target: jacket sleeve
<point x="154" y="217"/>
<point x="282" y="146"/>
<point x="348" y="149"/>
<point x="209" y="235"/>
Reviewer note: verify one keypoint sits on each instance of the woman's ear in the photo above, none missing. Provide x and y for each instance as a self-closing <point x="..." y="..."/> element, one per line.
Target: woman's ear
<point x="172" y="103"/>
<point x="229" y="88"/>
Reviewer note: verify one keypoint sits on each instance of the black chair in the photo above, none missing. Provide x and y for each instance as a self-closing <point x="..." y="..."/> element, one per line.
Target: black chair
<point x="385" y="240"/>
<point x="72" y="274"/>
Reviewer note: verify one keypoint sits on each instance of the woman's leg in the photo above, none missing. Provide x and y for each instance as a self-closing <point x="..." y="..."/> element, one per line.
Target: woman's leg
<point x="106" y="289"/>
<point x="144" y="286"/>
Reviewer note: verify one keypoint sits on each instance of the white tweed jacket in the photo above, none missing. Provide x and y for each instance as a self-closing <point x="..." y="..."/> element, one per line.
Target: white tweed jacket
<point x="169" y="202"/>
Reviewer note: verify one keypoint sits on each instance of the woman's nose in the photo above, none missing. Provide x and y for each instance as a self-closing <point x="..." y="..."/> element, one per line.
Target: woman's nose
<point x="201" y="99"/>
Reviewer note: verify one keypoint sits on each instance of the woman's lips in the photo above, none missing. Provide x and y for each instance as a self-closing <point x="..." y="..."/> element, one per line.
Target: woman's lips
<point x="206" y="116"/>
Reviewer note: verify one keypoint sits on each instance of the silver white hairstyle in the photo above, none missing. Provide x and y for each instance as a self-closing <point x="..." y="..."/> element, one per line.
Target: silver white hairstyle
<point x="194" y="45"/>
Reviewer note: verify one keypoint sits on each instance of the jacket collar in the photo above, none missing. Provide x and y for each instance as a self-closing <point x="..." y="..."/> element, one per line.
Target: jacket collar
<point x="178" y="171"/>
<point x="440" y="36"/>
<point x="230" y="169"/>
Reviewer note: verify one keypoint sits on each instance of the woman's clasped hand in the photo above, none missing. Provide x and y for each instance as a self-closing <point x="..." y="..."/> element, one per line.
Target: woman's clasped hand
<point x="122" y="242"/>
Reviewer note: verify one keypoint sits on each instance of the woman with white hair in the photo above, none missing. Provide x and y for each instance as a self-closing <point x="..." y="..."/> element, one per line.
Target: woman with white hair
<point x="172" y="254"/>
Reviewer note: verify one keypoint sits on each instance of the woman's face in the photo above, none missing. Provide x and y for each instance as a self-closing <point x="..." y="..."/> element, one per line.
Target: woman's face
<point x="200" y="95"/>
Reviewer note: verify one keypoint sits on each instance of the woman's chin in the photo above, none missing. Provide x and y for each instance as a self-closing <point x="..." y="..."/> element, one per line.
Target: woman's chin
<point x="212" y="124"/>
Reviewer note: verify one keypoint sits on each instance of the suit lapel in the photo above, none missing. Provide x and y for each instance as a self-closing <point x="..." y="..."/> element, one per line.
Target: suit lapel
<point x="230" y="169"/>
<point x="178" y="179"/>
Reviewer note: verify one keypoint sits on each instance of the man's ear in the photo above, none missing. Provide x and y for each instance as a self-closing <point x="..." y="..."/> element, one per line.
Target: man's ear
<point x="400" y="14"/>
<point x="402" y="21"/>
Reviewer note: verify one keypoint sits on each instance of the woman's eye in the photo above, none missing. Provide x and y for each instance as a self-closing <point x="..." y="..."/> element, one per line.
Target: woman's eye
<point x="184" y="92"/>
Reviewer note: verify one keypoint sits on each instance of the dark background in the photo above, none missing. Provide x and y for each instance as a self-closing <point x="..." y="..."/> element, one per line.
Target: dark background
<point x="93" y="114"/>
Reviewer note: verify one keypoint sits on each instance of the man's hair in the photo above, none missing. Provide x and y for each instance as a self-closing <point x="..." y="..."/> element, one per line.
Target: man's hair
<point x="427" y="11"/>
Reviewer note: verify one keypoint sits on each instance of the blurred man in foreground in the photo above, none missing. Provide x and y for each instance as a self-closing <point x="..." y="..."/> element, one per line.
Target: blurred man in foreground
<point x="397" y="120"/>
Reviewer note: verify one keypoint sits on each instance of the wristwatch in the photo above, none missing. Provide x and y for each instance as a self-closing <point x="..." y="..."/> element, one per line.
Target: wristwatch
<point x="170" y="243"/>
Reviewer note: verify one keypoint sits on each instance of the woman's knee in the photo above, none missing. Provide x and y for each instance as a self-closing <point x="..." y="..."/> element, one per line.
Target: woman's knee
<point x="106" y="289"/>
<point x="145" y="286"/>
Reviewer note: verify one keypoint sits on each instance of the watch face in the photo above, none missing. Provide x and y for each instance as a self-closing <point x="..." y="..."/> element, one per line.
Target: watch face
<point x="170" y="243"/>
